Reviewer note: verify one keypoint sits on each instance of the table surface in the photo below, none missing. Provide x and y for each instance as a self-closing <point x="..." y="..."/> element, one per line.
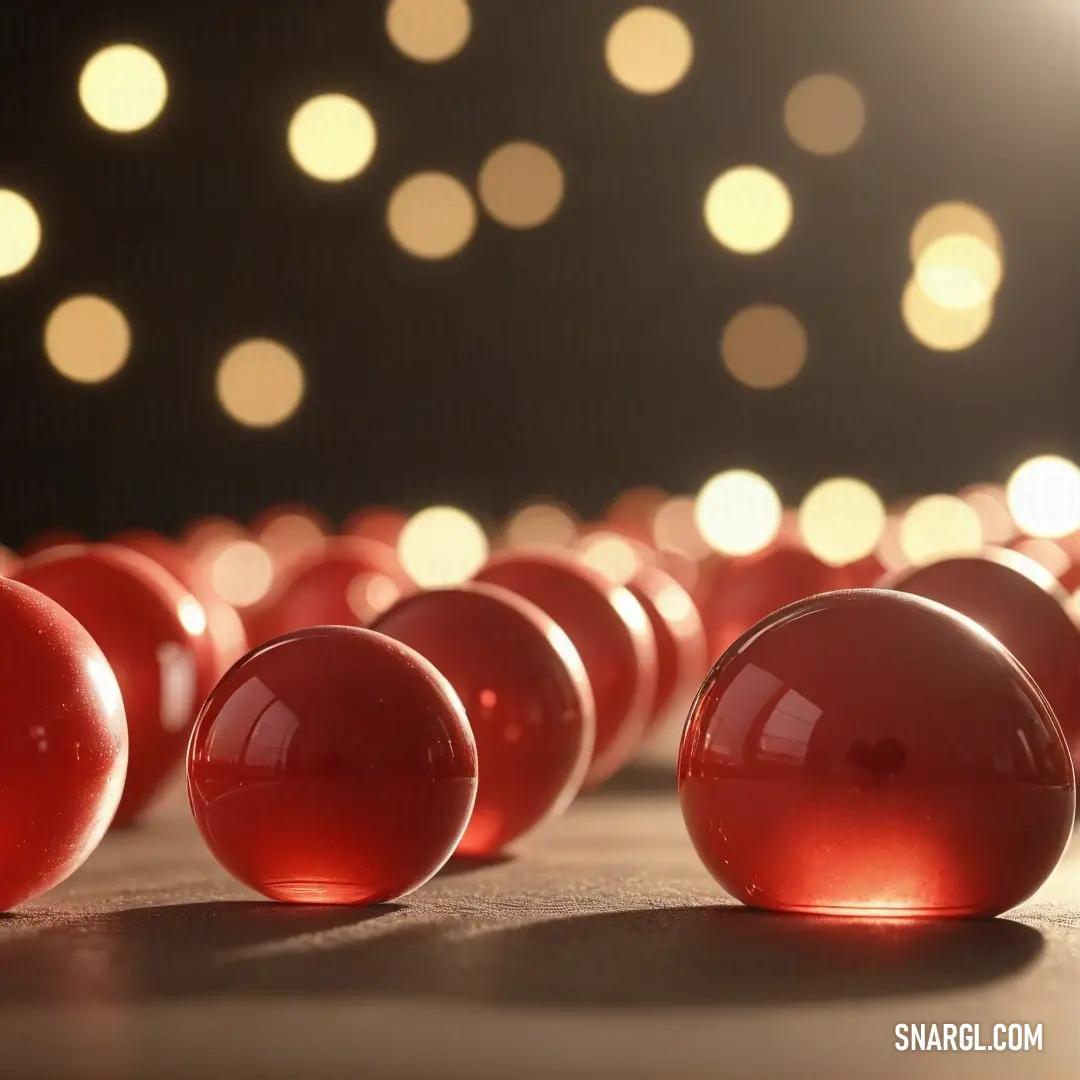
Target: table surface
<point x="602" y="949"/>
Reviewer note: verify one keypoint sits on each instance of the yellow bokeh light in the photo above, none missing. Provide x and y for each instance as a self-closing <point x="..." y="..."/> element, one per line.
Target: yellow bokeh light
<point x="989" y="502"/>
<point x="20" y="232"/>
<point x="429" y="31"/>
<point x="674" y="528"/>
<point x="953" y="219"/>
<point x="612" y="555"/>
<point x="431" y="215"/>
<point x="764" y="346"/>
<point x="332" y="137"/>
<point x="1043" y="495"/>
<point x="842" y="520"/>
<point x="241" y="572"/>
<point x="521" y="185"/>
<point x="748" y="209"/>
<point x="940" y="328"/>
<point x="369" y="595"/>
<point x="87" y="339"/>
<point x="649" y="50"/>
<point x="123" y="88"/>
<point x="260" y="383"/>
<point x="824" y="114"/>
<point x="442" y="546"/>
<point x="738" y="512"/>
<point x="540" y="524"/>
<point x="939" y="527"/>
<point x="959" y="272"/>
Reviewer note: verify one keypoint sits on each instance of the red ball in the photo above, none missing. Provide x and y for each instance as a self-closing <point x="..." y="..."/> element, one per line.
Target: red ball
<point x="736" y="593"/>
<point x="611" y="633"/>
<point x="869" y="752"/>
<point x="1022" y="605"/>
<point x="63" y="744"/>
<point x="681" y="649"/>
<point x="333" y="766"/>
<point x="349" y="583"/>
<point x="153" y="633"/>
<point x="526" y="695"/>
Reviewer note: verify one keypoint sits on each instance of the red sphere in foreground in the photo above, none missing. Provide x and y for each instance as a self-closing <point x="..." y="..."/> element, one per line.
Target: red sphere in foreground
<point x="333" y="766"/>
<point x="63" y="744"/>
<point x="611" y="633"/>
<point x="153" y="633"/>
<point x="1021" y="604"/>
<point x="526" y="695"/>
<point x="869" y="752"/>
<point x="735" y="593"/>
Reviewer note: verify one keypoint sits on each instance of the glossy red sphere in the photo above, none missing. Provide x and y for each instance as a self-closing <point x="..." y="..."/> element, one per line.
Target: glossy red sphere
<point x="63" y="744"/>
<point x="1020" y="602"/>
<point x="334" y="766"/>
<point x="733" y="594"/>
<point x="681" y="648"/>
<point x="611" y="632"/>
<point x="871" y="752"/>
<point x="153" y="633"/>
<point x="526" y="694"/>
<point x="349" y="583"/>
<point x="223" y="625"/>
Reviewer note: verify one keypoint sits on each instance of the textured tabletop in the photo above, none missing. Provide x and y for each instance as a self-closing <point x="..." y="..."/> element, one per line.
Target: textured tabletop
<point x="602" y="950"/>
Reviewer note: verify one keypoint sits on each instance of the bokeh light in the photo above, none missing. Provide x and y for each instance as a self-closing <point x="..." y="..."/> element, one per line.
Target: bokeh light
<point x="1043" y="495"/>
<point x="87" y="339"/>
<point x="429" y="31"/>
<point x="260" y="383"/>
<point x="939" y="527"/>
<point x="123" y="88"/>
<point x="431" y="215"/>
<point x="953" y="219"/>
<point x="612" y="555"/>
<point x="20" y="232"/>
<point x="738" y="512"/>
<point x="241" y="572"/>
<point x="959" y="272"/>
<point x="824" y="114"/>
<point x="369" y="595"/>
<point x="649" y="50"/>
<point x="943" y="329"/>
<point x="442" y="546"/>
<point x="675" y="529"/>
<point x="748" y="209"/>
<point x="332" y="137"/>
<point x="764" y="346"/>
<point x="990" y="504"/>
<point x="521" y="185"/>
<point x="842" y="520"/>
<point x="540" y="524"/>
<point x="291" y="536"/>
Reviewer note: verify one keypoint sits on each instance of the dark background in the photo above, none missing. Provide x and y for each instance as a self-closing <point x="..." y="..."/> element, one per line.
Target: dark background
<point x="579" y="358"/>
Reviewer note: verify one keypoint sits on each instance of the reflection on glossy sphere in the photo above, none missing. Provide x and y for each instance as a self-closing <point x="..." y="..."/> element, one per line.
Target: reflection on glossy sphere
<point x="526" y="695"/>
<point x="63" y="744"/>
<point x="1022" y="605"/>
<point x="153" y="633"/>
<point x="611" y="633"/>
<point x="872" y="753"/>
<point x="332" y="766"/>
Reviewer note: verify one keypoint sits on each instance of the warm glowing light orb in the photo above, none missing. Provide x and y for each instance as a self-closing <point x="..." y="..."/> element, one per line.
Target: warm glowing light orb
<point x="989" y="503"/>
<point x="260" y="383"/>
<point x="521" y="185"/>
<point x="959" y="272"/>
<point x="612" y="555"/>
<point x="442" y="546"/>
<point x="1043" y="495"/>
<point x="332" y="137"/>
<point x="943" y="329"/>
<point x="123" y="88"/>
<point x="675" y="529"/>
<point x="20" y="232"/>
<point x="540" y="524"/>
<point x="738" y="512"/>
<point x="431" y="215"/>
<point x="842" y="520"/>
<point x="241" y="572"/>
<point x="824" y="114"/>
<point x="87" y="339"/>
<point x="648" y="50"/>
<point x="429" y="31"/>
<point x="938" y="527"/>
<point x="748" y="209"/>
<point x="764" y="346"/>
<point x="953" y="219"/>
